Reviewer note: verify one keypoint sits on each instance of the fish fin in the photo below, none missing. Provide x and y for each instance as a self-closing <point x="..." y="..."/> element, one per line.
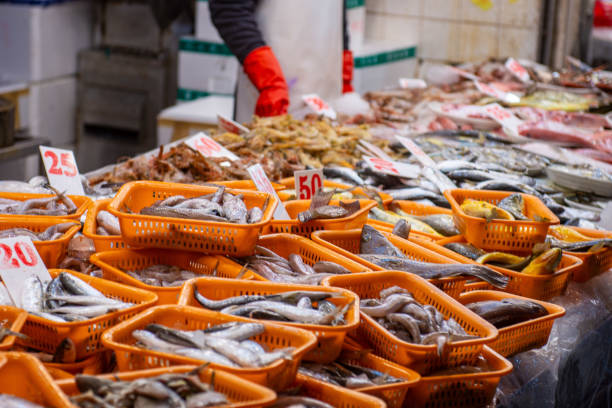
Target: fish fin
<point x="596" y="247"/>
<point x="240" y="274"/>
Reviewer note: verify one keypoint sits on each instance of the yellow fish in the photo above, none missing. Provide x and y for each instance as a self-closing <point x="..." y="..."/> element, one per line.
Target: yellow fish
<point x="545" y="263"/>
<point x="482" y="209"/>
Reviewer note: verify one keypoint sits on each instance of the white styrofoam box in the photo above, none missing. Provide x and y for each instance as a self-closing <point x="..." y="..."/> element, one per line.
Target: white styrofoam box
<point x="205" y="68"/>
<point x="204" y="28"/>
<point x="52" y="110"/>
<point x="355" y="21"/>
<point x="379" y="65"/>
<point x="38" y="42"/>
<point x="202" y="111"/>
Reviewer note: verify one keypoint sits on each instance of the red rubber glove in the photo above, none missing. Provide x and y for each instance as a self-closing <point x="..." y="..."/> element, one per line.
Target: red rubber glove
<point x="264" y="71"/>
<point x="347" y="71"/>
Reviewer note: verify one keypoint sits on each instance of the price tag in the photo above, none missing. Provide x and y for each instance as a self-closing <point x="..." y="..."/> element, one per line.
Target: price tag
<point x="20" y="260"/>
<point x="392" y="168"/>
<point x="464" y="74"/>
<point x="416" y="151"/>
<point x="258" y="175"/>
<point x="62" y="170"/>
<point x="496" y="93"/>
<point x="231" y="126"/>
<point x="307" y="182"/>
<point x="412" y="83"/>
<point x="208" y="147"/>
<point x="517" y="70"/>
<point x="510" y="123"/>
<point x="375" y="150"/>
<point x="319" y="106"/>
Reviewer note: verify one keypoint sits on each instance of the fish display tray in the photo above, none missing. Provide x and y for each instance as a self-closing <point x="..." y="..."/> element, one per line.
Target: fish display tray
<point x="114" y="265"/>
<point x="51" y="252"/>
<point x="334" y="395"/>
<point x="542" y="287"/>
<point x="461" y="390"/>
<point x="13" y="319"/>
<point x="214" y="238"/>
<point x="294" y="226"/>
<point x="521" y="336"/>
<point x="46" y="335"/>
<point x="329" y="338"/>
<point x="346" y="243"/>
<point x="501" y="235"/>
<point x="593" y="263"/>
<point x="81" y="202"/>
<point x="25" y="377"/>
<point x="289" y="184"/>
<point x="412" y="208"/>
<point x="276" y="375"/>
<point x="101" y="242"/>
<point x="422" y="358"/>
<point x="239" y="392"/>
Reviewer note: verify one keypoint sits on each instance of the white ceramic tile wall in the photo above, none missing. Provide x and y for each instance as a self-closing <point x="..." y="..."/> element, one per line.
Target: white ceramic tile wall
<point x="458" y="30"/>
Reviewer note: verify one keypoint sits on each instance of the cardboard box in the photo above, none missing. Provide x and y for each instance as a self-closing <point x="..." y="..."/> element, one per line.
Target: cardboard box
<point x="52" y="110"/>
<point x="205" y="68"/>
<point x="204" y="28"/>
<point x="355" y="20"/>
<point x="379" y="65"/>
<point x="41" y="42"/>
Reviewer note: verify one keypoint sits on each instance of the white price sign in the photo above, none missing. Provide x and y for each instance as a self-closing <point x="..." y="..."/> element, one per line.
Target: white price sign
<point x="412" y="83"/>
<point x="319" y="106"/>
<point x="62" y="170"/>
<point x="517" y="70"/>
<point x="416" y="151"/>
<point x="230" y="126"/>
<point x="208" y="147"/>
<point x="258" y="175"/>
<point x="20" y="260"/>
<point x="496" y="93"/>
<point x="307" y="182"/>
<point x="392" y="168"/>
<point x="510" y="123"/>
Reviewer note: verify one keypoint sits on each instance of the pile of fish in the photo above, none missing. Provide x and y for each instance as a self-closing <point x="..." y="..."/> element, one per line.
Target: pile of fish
<point x="50" y="206"/>
<point x="108" y="224"/>
<point x="225" y="344"/>
<point x="401" y="315"/>
<point x="300" y="307"/>
<point x="510" y="208"/>
<point x="571" y="240"/>
<point x="506" y="312"/>
<point x="439" y="225"/>
<point x="51" y="233"/>
<point x="162" y="275"/>
<point x="11" y="401"/>
<point x="80" y="248"/>
<point x="5" y="332"/>
<point x="320" y="209"/>
<point x="374" y="247"/>
<point x="297" y="398"/>
<point x="275" y="268"/>
<point x="66" y="298"/>
<point x="170" y="390"/>
<point x="218" y="206"/>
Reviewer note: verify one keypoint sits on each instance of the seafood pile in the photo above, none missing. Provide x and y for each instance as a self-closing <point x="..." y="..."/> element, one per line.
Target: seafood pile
<point x="510" y="208"/>
<point x="172" y="390"/>
<point x="571" y="240"/>
<point x="401" y="315"/>
<point x="66" y="299"/>
<point x="162" y="275"/>
<point x="439" y="225"/>
<point x="52" y="233"/>
<point x="300" y="307"/>
<point x="320" y="209"/>
<point x="275" y="268"/>
<point x="50" y="206"/>
<point x="218" y="206"/>
<point x="108" y="224"/>
<point x="506" y="312"/>
<point x="225" y="344"/>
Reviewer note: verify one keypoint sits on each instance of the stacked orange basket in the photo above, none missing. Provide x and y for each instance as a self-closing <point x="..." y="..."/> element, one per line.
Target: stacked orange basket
<point x="593" y="263"/>
<point x="101" y="242"/>
<point x="81" y="202"/>
<point x="339" y="397"/>
<point x="13" y="319"/>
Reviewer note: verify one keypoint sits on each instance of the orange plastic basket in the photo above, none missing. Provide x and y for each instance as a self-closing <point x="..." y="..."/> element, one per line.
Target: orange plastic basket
<point x="25" y="377"/>
<point x="51" y="252"/>
<point x="11" y="318"/>
<point x="81" y="202"/>
<point x="215" y="238"/>
<point x="501" y="235"/>
<point x="346" y="243"/>
<point x="293" y="226"/>
<point x="461" y="390"/>
<point x="239" y="392"/>
<point x="289" y="184"/>
<point x="541" y="287"/>
<point x="338" y="397"/>
<point x="521" y="336"/>
<point x="76" y="367"/>
<point x="422" y="358"/>
<point x="115" y="263"/>
<point x="329" y="338"/>
<point x="593" y="263"/>
<point x="276" y="375"/>
<point x="46" y="335"/>
<point x="101" y="242"/>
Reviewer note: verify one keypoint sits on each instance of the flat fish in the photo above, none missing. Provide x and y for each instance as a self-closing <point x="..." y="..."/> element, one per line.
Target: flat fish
<point x="373" y="242"/>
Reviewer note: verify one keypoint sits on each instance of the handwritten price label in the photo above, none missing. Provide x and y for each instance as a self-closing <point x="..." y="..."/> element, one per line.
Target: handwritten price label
<point x="307" y="182"/>
<point x="392" y="168"/>
<point x="517" y="70"/>
<point x="19" y="260"/>
<point x="416" y="151"/>
<point x="510" y="123"/>
<point x="231" y="126"/>
<point x="62" y="170"/>
<point x="258" y="175"/>
<point x="209" y="147"/>
<point x="319" y="106"/>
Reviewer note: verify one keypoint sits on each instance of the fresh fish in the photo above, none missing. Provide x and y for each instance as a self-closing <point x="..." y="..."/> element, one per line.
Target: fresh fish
<point x="412" y="194"/>
<point x="329" y="267"/>
<point x="482" y="209"/>
<point x="401" y="229"/>
<point x="444" y="224"/>
<point x="467" y="250"/>
<point x="65" y="352"/>
<point x="322" y="213"/>
<point x="506" y="312"/>
<point x="298" y="401"/>
<point x="5" y="332"/>
<point x="344" y="173"/>
<point x="478" y="175"/>
<point x="393" y="217"/>
<point x="544" y="264"/>
<point x="235" y="209"/>
<point x="254" y="215"/>
<point x="222" y="304"/>
<point x="108" y="222"/>
<point x="515" y="205"/>
<point x="581" y="246"/>
<point x="373" y="242"/>
<point x="502" y="259"/>
<point x="297" y="264"/>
